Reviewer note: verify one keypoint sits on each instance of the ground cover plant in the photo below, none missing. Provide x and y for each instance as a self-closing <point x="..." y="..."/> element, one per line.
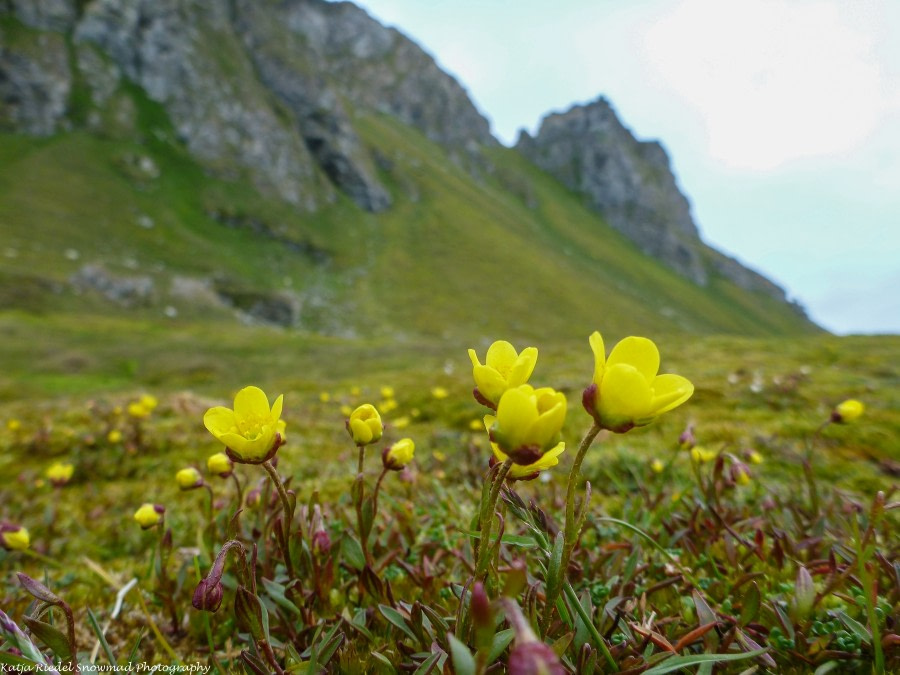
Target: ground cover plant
<point x="736" y="517"/>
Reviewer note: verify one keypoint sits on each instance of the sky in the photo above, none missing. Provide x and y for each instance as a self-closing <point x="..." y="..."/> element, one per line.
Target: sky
<point x="781" y="118"/>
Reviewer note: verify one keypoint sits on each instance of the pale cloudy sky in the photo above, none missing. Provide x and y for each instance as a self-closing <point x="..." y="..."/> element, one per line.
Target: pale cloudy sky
<point x="781" y="118"/>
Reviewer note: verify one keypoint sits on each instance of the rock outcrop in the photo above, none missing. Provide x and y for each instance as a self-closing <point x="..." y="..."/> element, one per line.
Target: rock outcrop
<point x="262" y="89"/>
<point x="631" y="183"/>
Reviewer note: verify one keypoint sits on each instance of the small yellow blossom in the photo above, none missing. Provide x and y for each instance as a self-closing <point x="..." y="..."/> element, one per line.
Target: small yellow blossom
<point x="398" y="455"/>
<point x="847" y="411"/>
<point x="149" y="515"/>
<point x="754" y="457"/>
<point x="703" y="455"/>
<point x="189" y="478"/>
<point x="503" y="369"/>
<point x="59" y="473"/>
<point x="401" y="422"/>
<point x="475" y="425"/>
<point x="149" y="402"/>
<point x="13" y="425"/>
<point x="114" y="436"/>
<point x="346" y="410"/>
<point x="365" y="425"/>
<point x="439" y="393"/>
<point x="388" y="405"/>
<point x="387" y="392"/>
<point x="137" y="411"/>
<point x="220" y="464"/>
<point x="249" y="431"/>
<point x="14" y="537"/>
<point x="355" y="391"/>
<point x="626" y="391"/>
<point x="528" y="422"/>
<point x="656" y="466"/>
<point x="324" y="397"/>
<point x="440" y="456"/>
<point x="740" y="474"/>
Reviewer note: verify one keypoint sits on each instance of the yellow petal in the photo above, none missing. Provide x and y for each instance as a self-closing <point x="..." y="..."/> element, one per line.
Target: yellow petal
<point x="599" y="350"/>
<point x="522" y="367"/>
<point x="546" y="428"/>
<point x="501" y="356"/>
<point x="490" y="383"/>
<point x="219" y="420"/>
<point x="251" y="402"/>
<point x="547" y="461"/>
<point x="474" y="358"/>
<point x="276" y="407"/>
<point x="638" y="352"/>
<point x="515" y="414"/>
<point x="362" y="432"/>
<point x="624" y="394"/>
<point x="669" y="391"/>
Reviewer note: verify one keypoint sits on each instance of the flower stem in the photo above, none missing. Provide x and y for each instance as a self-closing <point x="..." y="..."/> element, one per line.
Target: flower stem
<point x="240" y="490"/>
<point x="570" y="531"/>
<point x="288" y="514"/>
<point x="487" y="522"/>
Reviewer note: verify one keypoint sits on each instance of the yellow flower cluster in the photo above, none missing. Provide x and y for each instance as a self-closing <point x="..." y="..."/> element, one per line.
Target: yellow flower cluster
<point x="143" y="407"/>
<point x="59" y="473"/>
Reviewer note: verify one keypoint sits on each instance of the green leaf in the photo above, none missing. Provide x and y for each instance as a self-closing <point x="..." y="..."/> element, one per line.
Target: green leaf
<point x="554" y="568"/>
<point x="54" y="638"/>
<point x="500" y="643"/>
<point x="750" y="610"/>
<point x="855" y="627"/>
<point x="428" y="664"/>
<point x="136" y="646"/>
<point x="248" y="612"/>
<point x="398" y="620"/>
<point x="519" y="540"/>
<point x="674" y="663"/>
<point x="352" y="552"/>
<point x="101" y="637"/>
<point x="463" y="661"/>
<point x="276" y="592"/>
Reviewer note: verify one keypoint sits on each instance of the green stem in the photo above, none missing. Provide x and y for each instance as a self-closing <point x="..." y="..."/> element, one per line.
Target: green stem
<point x="487" y="522"/>
<point x="570" y="531"/>
<point x="240" y="490"/>
<point x="589" y="624"/>
<point x="868" y="592"/>
<point x="288" y="514"/>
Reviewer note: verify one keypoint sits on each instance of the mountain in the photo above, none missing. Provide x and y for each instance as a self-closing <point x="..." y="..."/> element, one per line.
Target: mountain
<point x="293" y="162"/>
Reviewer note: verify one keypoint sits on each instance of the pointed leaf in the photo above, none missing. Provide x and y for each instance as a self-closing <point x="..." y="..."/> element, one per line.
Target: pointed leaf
<point x="54" y="638"/>
<point x="463" y="661"/>
<point x="750" y="610"/>
<point x="38" y="590"/>
<point x="398" y="620"/>
<point x="500" y="643"/>
<point x="352" y="552"/>
<point x="675" y="663"/>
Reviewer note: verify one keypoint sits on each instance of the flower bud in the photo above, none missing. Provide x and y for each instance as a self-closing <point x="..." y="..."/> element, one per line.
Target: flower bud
<point x="149" y="515"/>
<point x="254" y="497"/>
<point x="686" y="440"/>
<point x="395" y="457"/>
<point x="365" y="425"/>
<point x="534" y="658"/>
<point x="14" y="537"/>
<point x="847" y="411"/>
<point x="220" y="464"/>
<point x="702" y="455"/>
<point x="208" y="595"/>
<point x="114" y="436"/>
<point x="189" y="479"/>
<point x="59" y="473"/>
<point x="321" y="542"/>
<point x="740" y="474"/>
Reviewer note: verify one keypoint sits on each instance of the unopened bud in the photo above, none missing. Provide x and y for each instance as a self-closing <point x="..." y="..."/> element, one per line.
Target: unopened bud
<point x="208" y="595"/>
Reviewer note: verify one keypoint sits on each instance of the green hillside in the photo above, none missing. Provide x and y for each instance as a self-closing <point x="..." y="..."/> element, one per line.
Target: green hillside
<point x="509" y="251"/>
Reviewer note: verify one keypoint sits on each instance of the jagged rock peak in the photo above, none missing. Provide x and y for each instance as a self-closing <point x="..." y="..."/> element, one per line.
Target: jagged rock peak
<point x="630" y="182"/>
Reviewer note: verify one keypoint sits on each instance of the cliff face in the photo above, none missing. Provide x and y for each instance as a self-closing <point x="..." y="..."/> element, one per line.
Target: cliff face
<point x="269" y="91"/>
<point x="631" y="183"/>
<point x="258" y="88"/>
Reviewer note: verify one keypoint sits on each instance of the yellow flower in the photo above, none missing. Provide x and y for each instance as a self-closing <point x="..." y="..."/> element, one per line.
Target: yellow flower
<point x="847" y="411"/>
<point x="114" y="436"/>
<point x="137" y="411"/>
<point x="440" y="456"/>
<point x="439" y="393"/>
<point x="387" y="392"/>
<point x="656" y="466"/>
<point x="398" y="455"/>
<point x="388" y="405"/>
<point x="14" y="537"/>
<point x="14" y="425"/>
<point x="355" y="391"/>
<point x="528" y="425"/>
<point x="249" y="432"/>
<point x="626" y="391"/>
<point x="503" y="369"/>
<point x="346" y="410"/>
<point x="365" y="425"/>
<point x="220" y="464"/>
<point x="530" y="471"/>
<point x="475" y="425"/>
<point x="754" y="457"/>
<point x="189" y="478"/>
<point x="149" y="402"/>
<point x="281" y="430"/>
<point x="703" y="455"/>
<point x="740" y="474"/>
<point x="401" y="422"/>
<point x="324" y="397"/>
<point x="59" y="473"/>
<point x="149" y="515"/>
